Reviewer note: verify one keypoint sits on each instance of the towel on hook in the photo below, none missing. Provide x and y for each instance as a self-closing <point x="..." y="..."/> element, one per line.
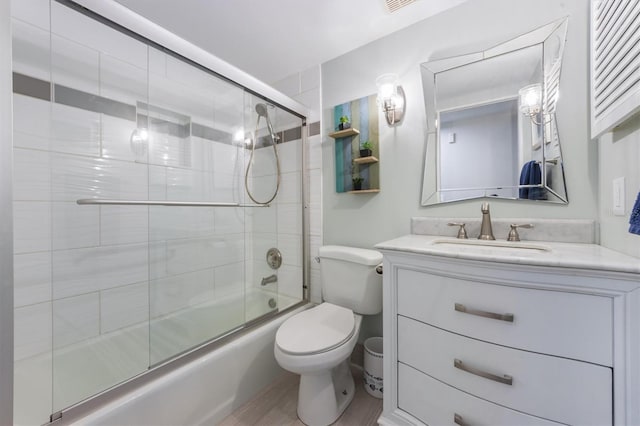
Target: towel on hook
<point x="531" y="174"/>
<point x="634" y="219"/>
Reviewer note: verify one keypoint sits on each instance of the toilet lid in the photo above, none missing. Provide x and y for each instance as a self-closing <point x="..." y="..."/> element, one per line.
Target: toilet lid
<point x="316" y="330"/>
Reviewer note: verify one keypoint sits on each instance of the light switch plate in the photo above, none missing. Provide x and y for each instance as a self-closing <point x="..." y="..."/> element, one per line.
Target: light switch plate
<point x="618" y="196"/>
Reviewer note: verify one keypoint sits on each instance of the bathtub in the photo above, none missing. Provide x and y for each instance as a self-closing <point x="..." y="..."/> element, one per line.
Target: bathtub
<point x="202" y="388"/>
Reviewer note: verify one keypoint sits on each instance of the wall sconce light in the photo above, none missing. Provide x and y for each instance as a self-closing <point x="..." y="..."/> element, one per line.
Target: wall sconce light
<point x="531" y="101"/>
<point x="391" y="97"/>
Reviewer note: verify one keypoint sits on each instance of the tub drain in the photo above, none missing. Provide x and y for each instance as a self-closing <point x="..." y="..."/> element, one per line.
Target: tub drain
<point x="272" y="303"/>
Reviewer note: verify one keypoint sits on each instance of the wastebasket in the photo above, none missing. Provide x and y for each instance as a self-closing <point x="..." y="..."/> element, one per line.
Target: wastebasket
<point x="373" y="366"/>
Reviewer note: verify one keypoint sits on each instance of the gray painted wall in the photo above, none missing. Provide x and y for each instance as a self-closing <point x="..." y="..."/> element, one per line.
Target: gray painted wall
<point x="6" y="222"/>
<point x="363" y="220"/>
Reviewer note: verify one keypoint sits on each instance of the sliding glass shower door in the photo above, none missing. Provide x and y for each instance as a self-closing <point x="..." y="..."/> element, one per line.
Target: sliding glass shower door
<point x="143" y="208"/>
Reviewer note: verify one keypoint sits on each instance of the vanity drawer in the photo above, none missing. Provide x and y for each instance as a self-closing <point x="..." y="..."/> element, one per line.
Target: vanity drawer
<point x="572" y="325"/>
<point x="558" y="389"/>
<point x="435" y="403"/>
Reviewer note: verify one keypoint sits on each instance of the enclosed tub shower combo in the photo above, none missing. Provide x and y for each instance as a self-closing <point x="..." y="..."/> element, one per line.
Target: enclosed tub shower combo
<point x="158" y="201"/>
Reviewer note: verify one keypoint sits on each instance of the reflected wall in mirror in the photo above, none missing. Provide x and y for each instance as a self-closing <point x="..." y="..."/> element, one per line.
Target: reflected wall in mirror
<point x="492" y="121"/>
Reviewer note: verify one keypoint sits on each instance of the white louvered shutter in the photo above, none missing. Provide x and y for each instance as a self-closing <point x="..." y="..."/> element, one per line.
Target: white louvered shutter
<point x="615" y="63"/>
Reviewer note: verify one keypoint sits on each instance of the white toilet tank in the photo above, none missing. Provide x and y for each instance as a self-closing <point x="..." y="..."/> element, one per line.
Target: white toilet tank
<point x="349" y="278"/>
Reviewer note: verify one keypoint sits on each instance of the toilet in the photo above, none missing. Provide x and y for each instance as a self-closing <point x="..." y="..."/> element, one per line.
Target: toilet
<point x="317" y="343"/>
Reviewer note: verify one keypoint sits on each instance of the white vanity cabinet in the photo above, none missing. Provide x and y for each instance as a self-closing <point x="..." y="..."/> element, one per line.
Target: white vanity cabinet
<point x="499" y="341"/>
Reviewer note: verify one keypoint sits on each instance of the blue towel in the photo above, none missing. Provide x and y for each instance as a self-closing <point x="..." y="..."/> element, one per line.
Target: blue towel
<point x="524" y="179"/>
<point x="531" y="175"/>
<point x="634" y="220"/>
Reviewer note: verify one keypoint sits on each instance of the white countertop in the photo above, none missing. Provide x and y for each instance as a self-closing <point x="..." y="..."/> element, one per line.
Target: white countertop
<point x="567" y="255"/>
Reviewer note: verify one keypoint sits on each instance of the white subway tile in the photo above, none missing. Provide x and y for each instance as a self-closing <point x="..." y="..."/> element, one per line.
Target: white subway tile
<point x="74" y="65"/>
<point x="228" y="249"/>
<point x="189" y="255"/>
<point x="261" y="219"/>
<point x="264" y="187"/>
<point x="75" y="177"/>
<point x="290" y="154"/>
<point x="35" y="12"/>
<point x="32" y="330"/>
<point x="116" y="139"/>
<point x="31" y="226"/>
<point x="178" y="292"/>
<point x="228" y="188"/>
<point x="32" y="390"/>
<point x="121" y="81"/>
<point x="75" y="319"/>
<point x="31" y="50"/>
<point x="315" y="186"/>
<point x="229" y="280"/>
<point x="32" y="116"/>
<point x="75" y="130"/>
<point x="261" y="243"/>
<point x="167" y="223"/>
<point x="75" y="226"/>
<point x="31" y="278"/>
<point x="158" y="259"/>
<point x="157" y="183"/>
<point x="75" y="26"/>
<point x="25" y="140"/>
<point x="314" y="152"/>
<point x="32" y="175"/>
<point x="188" y="185"/>
<point x="264" y="162"/>
<point x="230" y="220"/>
<point x="315" y="219"/>
<point x="82" y="271"/>
<point x="290" y="281"/>
<point x="124" y="306"/>
<point x="123" y="224"/>
<point x="291" y="248"/>
<point x="227" y="159"/>
<point x="290" y="188"/>
<point x="289" y="218"/>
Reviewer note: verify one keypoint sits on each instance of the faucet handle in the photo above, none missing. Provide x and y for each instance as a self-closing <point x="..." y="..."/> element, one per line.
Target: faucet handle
<point x="513" y="232"/>
<point x="462" y="232"/>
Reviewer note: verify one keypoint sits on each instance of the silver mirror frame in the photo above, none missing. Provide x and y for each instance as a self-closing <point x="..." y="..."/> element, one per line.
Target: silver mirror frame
<point x="552" y="38"/>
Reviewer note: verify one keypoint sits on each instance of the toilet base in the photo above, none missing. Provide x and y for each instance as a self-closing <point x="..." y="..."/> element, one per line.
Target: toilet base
<point x="323" y="397"/>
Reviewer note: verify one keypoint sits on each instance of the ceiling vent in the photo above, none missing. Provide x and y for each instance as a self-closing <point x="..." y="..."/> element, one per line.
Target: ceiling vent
<point x="394" y="5"/>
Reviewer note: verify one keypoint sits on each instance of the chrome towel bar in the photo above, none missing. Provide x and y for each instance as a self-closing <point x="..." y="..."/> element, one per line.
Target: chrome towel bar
<point x="97" y="201"/>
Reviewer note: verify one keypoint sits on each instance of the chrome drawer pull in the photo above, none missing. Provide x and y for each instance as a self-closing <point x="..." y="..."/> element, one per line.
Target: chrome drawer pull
<point x="457" y="419"/>
<point x="506" y="379"/>
<point x="503" y="317"/>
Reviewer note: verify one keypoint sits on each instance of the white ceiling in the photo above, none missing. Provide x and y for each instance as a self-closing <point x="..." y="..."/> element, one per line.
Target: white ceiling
<point x="273" y="39"/>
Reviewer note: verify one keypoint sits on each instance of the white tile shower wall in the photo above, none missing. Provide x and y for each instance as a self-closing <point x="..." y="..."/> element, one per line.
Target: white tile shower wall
<point x="305" y="87"/>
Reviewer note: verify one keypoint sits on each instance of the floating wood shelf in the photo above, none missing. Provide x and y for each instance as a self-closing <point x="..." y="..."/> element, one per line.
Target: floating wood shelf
<point x="364" y="191"/>
<point x="365" y="160"/>
<point x="344" y="133"/>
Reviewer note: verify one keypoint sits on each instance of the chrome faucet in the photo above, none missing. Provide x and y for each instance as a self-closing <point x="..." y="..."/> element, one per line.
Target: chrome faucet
<point x="486" y="232"/>
<point x="268" y="280"/>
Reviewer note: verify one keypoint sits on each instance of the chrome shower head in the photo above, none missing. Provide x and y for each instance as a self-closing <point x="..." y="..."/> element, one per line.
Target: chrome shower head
<point x="261" y="109"/>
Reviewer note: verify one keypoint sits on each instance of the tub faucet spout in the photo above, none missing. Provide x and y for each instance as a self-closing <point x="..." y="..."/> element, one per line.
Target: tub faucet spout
<point x="486" y="232"/>
<point x="268" y="280"/>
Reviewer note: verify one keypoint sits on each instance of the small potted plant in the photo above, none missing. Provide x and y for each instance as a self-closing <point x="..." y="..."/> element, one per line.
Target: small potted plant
<point x="344" y="123"/>
<point x="365" y="149"/>
<point x="357" y="183"/>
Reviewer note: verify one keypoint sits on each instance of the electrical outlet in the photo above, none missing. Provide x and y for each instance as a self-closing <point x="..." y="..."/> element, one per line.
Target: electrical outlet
<point x="618" y="196"/>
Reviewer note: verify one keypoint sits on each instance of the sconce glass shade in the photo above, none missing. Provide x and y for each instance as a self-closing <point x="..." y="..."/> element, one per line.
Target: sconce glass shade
<point x="391" y="97"/>
<point x="530" y="99"/>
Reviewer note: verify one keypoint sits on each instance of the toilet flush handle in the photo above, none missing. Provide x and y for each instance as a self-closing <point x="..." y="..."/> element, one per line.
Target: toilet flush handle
<point x="379" y="269"/>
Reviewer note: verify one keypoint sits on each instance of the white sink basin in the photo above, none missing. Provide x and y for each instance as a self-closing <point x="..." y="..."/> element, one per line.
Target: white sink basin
<point x="517" y="245"/>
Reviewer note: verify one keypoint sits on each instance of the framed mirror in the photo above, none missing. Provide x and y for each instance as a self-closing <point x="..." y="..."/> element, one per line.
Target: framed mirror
<point x="492" y="121"/>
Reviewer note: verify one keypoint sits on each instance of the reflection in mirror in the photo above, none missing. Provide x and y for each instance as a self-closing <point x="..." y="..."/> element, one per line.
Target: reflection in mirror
<point x="492" y="121"/>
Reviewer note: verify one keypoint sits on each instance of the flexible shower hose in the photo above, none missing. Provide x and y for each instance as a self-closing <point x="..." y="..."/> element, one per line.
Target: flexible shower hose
<point x="246" y="174"/>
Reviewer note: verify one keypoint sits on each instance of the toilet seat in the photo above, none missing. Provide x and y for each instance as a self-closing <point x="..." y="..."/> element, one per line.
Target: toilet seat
<point x="316" y="330"/>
